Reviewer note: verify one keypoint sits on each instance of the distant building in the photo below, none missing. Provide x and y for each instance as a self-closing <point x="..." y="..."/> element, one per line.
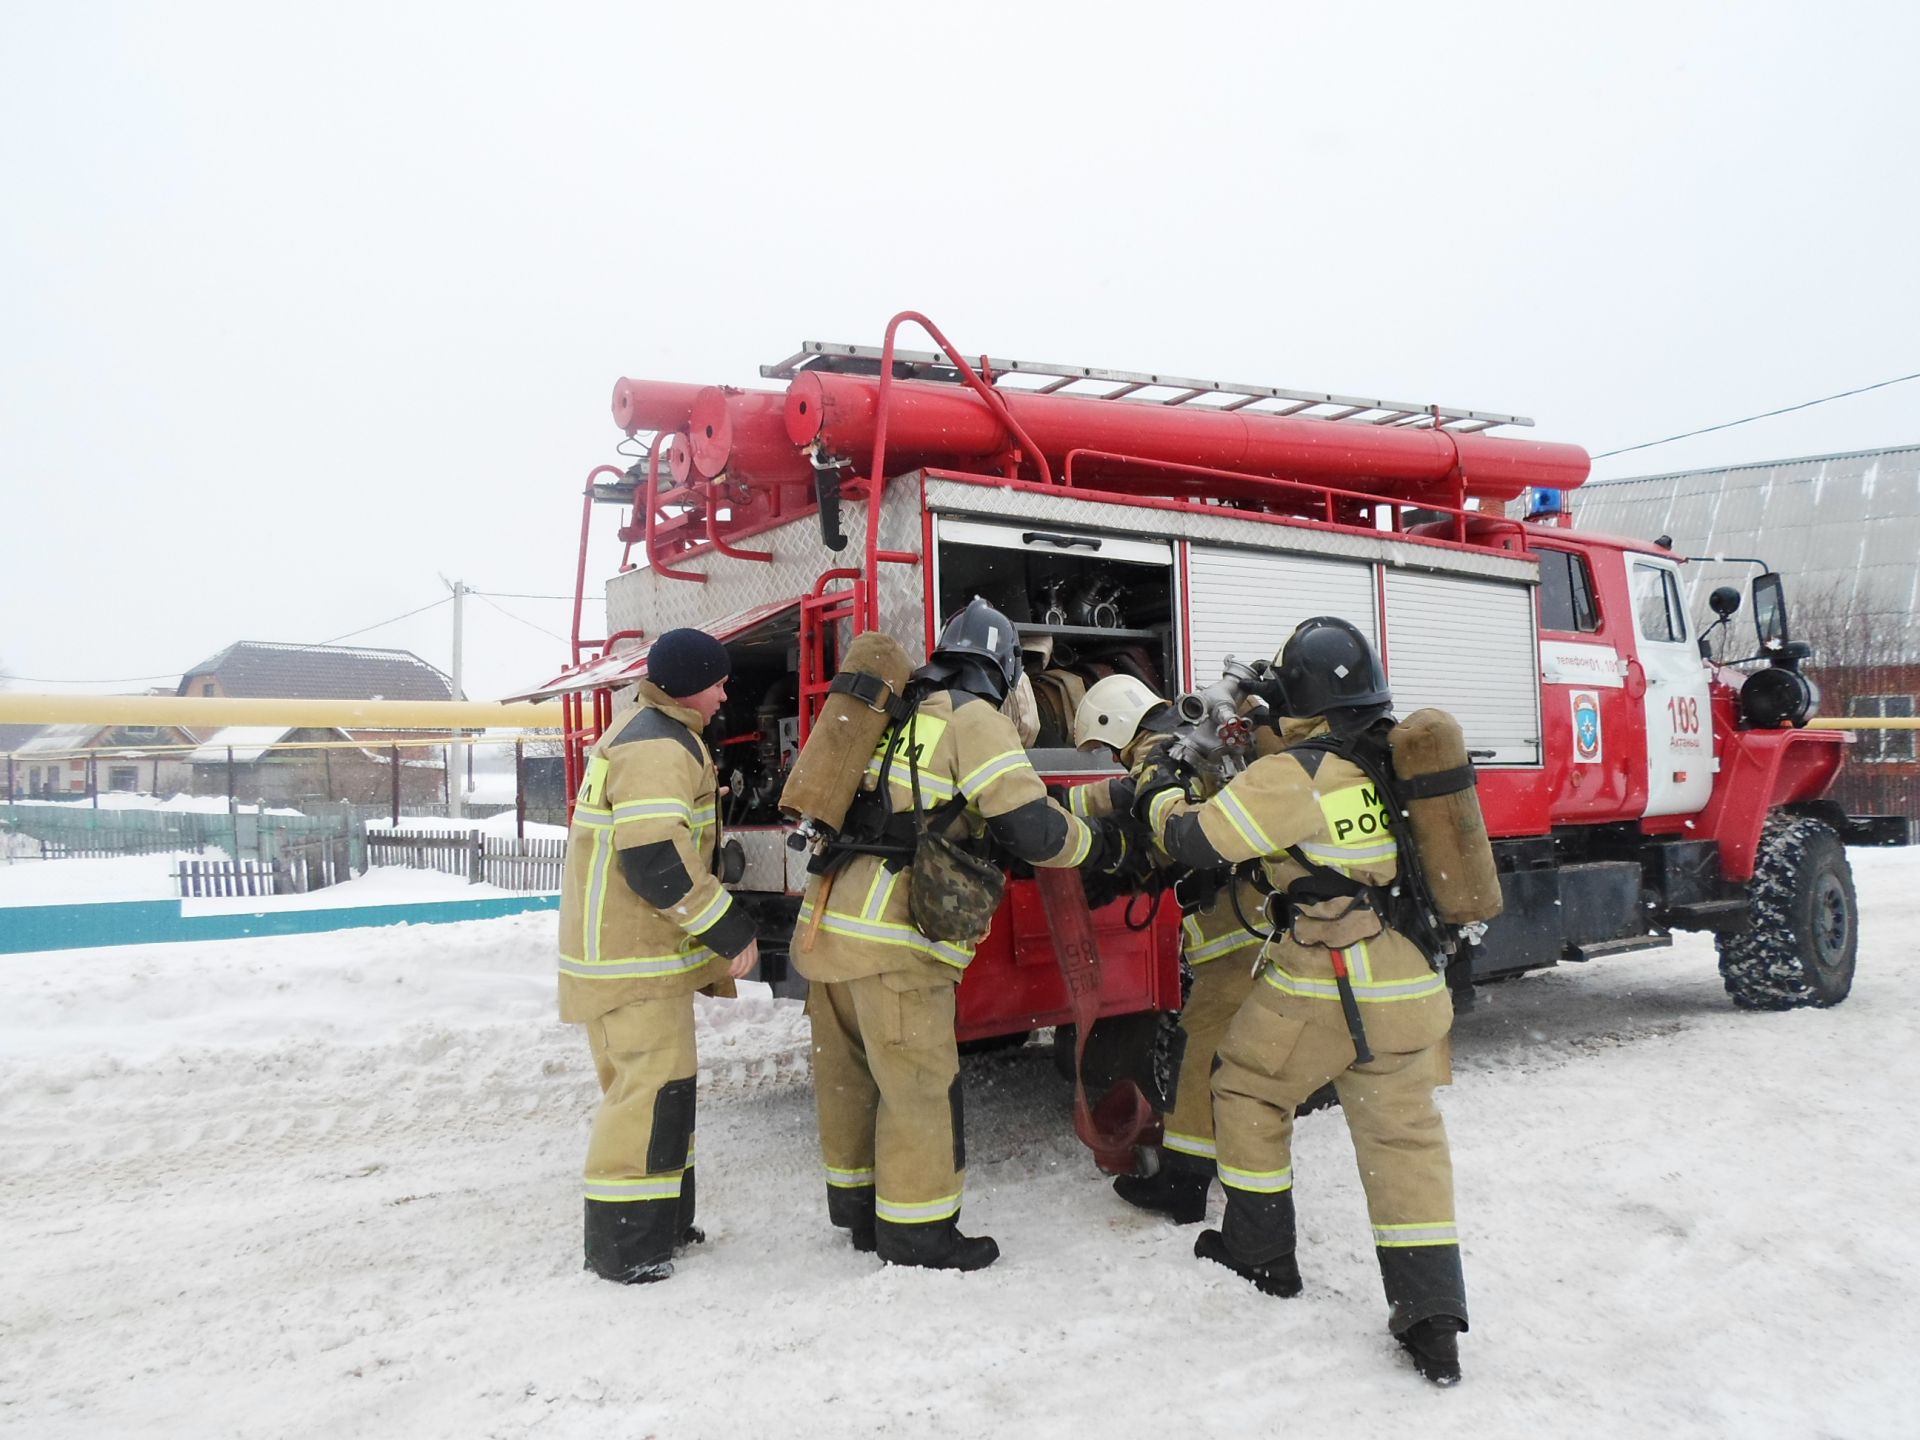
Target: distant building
<point x="264" y="670"/>
<point x="256" y="669"/>
<point x="56" y="762"/>
<point x="288" y="766"/>
<point x="1845" y="532"/>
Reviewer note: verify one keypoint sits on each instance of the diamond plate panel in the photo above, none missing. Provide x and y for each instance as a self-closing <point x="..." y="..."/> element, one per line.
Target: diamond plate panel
<point x="644" y="600"/>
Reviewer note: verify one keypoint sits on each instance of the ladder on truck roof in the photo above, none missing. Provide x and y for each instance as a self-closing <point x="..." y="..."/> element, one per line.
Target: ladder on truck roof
<point x="1139" y="387"/>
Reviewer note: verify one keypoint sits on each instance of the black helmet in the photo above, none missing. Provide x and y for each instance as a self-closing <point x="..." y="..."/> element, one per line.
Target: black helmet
<point x="980" y="644"/>
<point x="1326" y="665"/>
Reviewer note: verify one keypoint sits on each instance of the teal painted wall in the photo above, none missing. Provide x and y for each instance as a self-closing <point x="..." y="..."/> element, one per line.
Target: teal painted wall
<point x="148" y="922"/>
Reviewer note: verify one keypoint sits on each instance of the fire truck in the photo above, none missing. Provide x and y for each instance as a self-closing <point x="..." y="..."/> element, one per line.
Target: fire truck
<point x="1638" y="778"/>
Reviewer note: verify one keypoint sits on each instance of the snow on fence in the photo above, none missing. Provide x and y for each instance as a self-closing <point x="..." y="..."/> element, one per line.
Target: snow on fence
<point x="495" y="860"/>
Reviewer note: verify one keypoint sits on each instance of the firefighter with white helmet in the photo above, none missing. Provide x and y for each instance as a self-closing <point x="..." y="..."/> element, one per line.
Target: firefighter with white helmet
<point x="1122" y="714"/>
<point x="899" y="898"/>
<point x="1341" y="995"/>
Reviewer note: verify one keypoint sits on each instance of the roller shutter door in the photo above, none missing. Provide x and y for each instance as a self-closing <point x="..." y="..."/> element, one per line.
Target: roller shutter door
<point x="1467" y="647"/>
<point x="1245" y="603"/>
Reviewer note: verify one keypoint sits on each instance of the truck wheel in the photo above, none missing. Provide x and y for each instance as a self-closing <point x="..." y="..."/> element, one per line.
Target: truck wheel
<point x="1805" y="923"/>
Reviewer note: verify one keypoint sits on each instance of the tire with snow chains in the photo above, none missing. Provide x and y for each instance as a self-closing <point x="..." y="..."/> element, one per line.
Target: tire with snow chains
<point x="1800" y="947"/>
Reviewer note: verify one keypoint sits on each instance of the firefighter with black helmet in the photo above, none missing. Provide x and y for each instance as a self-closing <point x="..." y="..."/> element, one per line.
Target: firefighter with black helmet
<point x="1340" y="994"/>
<point x="889" y="923"/>
<point x="644" y="923"/>
<point x="1217" y="949"/>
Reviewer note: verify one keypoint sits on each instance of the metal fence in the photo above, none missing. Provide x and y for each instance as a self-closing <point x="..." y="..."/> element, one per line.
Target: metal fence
<point x="81" y="832"/>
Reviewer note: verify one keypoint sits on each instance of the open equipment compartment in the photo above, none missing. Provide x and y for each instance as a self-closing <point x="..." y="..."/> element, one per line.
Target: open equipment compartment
<point x="1087" y="604"/>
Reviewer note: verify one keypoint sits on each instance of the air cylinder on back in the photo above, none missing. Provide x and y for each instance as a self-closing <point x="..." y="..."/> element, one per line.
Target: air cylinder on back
<point x="827" y="774"/>
<point x="1436" y="781"/>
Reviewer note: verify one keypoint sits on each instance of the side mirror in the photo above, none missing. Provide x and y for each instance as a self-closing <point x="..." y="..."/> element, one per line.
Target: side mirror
<point x="1769" y="611"/>
<point x="1724" y="602"/>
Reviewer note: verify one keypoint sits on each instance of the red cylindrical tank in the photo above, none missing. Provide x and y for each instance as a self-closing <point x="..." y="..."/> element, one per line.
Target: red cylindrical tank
<point x="932" y="424"/>
<point x="744" y="433"/>
<point x="652" y="404"/>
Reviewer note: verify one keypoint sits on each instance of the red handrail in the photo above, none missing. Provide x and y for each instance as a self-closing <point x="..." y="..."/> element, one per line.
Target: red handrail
<point x="877" y="479"/>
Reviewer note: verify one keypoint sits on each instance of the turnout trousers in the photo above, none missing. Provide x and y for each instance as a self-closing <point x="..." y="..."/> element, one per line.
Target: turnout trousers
<point x="639" y="1172"/>
<point x="886" y="1081"/>
<point x="1269" y="1063"/>
<point x="1219" y="988"/>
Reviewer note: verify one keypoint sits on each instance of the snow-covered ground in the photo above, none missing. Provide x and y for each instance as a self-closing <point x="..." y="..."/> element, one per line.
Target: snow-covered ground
<point x="327" y="1185"/>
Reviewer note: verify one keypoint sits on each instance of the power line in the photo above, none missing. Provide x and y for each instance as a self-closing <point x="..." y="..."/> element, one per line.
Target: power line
<point x="1766" y="415"/>
<point x="123" y="680"/>
<point x="511" y="616"/>
<point x="377" y="625"/>
<point x="511" y="595"/>
<point x="318" y="644"/>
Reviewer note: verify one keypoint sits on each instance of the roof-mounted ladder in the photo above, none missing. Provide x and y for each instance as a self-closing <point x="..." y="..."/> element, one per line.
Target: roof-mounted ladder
<point x="1087" y="382"/>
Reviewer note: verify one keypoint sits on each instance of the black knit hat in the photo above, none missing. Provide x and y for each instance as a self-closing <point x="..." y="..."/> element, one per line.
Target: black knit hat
<point x="685" y="662"/>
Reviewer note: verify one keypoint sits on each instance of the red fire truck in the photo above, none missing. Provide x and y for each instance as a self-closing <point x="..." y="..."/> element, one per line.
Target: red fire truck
<point x="1634" y="784"/>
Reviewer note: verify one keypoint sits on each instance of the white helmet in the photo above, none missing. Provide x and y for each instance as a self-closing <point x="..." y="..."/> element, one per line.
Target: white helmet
<point x="1112" y="712"/>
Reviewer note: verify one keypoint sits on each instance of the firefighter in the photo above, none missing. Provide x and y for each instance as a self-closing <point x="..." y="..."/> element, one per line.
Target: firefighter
<point x="886" y="1068"/>
<point x="1216" y="947"/>
<point x="645" y="922"/>
<point x="1318" y="826"/>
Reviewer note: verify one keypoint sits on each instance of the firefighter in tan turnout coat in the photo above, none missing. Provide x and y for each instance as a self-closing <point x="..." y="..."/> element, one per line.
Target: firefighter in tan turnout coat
<point x="644" y="923"/>
<point x="886" y="1069"/>
<point x="1317" y="824"/>
<point x="1122" y="714"/>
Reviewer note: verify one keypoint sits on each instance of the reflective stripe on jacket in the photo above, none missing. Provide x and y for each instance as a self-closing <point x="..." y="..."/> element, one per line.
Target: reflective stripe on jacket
<point x="966" y="747"/>
<point x="1327" y="807"/>
<point x="648" y="782"/>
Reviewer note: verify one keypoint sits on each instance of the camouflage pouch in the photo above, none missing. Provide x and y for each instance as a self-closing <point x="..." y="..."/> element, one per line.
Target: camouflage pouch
<point x="952" y="893"/>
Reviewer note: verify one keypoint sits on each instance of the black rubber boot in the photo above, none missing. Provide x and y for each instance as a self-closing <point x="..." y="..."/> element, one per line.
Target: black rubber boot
<point x="850" y="1208"/>
<point x="1176" y="1192"/>
<point x="1279" y="1276"/>
<point x="631" y="1241"/>
<point x="1434" y="1344"/>
<point x="690" y="1233"/>
<point x="938" y="1245"/>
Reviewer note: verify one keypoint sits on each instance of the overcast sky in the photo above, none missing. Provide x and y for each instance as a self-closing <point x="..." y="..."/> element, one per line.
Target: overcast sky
<point x="302" y="308"/>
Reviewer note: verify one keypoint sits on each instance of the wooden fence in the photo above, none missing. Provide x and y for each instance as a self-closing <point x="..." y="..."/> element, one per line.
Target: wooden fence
<point x="495" y="860"/>
<point x="228" y="877"/>
<point x="81" y="845"/>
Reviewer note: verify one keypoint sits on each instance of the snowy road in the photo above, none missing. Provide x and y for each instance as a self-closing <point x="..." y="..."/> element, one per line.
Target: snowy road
<point x="328" y="1186"/>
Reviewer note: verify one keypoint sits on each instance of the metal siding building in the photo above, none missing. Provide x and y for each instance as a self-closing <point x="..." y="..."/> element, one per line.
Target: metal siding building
<point x="1843" y="529"/>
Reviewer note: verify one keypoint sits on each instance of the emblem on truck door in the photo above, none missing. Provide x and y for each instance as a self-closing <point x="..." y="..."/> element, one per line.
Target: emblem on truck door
<point x="1586" y="727"/>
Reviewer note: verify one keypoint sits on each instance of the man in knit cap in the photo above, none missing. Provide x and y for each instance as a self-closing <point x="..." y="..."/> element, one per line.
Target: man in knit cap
<point x="645" y="922"/>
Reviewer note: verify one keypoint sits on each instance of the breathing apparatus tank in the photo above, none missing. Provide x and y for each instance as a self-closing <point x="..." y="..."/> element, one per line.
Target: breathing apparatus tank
<point x="858" y="709"/>
<point x="1435" y="785"/>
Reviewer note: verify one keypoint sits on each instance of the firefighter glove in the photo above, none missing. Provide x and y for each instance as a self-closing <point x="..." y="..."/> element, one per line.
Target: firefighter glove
<point x="1159" y="770"/>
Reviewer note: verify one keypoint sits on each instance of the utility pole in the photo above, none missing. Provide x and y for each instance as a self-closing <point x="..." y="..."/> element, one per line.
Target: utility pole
<point x="456" y="788"/>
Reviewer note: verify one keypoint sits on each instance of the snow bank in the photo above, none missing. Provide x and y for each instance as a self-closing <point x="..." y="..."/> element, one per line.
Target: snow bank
<point x="328" y="1185"/>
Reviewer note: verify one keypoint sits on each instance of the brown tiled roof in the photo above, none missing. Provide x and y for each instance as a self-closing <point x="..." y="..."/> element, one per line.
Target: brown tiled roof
<point x="256" y="669"/>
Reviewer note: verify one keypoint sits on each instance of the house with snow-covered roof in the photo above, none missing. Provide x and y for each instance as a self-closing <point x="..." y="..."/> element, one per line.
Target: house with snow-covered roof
<point x="292" y="766"/>
<point x="258" y="669"/>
